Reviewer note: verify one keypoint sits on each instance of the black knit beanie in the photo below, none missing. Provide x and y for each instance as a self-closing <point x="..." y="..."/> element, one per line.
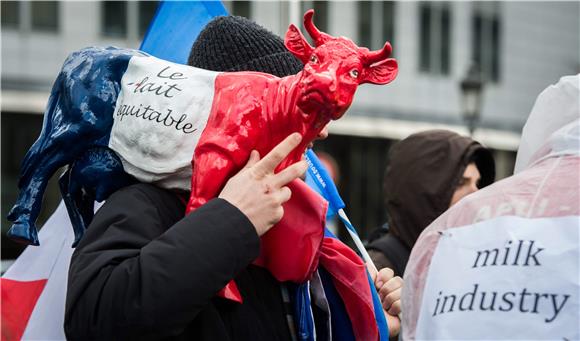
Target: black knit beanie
<point x="238" y="44"/>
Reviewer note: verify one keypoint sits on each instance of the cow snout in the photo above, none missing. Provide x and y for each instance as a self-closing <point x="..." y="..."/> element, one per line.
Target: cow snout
<point x="325" y="81"/>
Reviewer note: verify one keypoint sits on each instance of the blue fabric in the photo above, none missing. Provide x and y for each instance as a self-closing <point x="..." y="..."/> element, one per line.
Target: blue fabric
<point x="318" y="179"/>
<point x="379" y="315"/>
<point x="328" y="233"/>
<point x="175" y="27"/>
<point x="340" y="323"/>
<point x="303" y="313"/>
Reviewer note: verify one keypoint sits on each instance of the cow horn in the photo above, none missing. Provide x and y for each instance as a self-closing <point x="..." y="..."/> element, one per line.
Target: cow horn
<point x="316" y="35"/>
<point x="376" y="56"/>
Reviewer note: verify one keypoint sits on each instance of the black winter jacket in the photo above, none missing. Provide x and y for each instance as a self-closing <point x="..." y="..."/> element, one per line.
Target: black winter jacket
<point x="143" y="271"/>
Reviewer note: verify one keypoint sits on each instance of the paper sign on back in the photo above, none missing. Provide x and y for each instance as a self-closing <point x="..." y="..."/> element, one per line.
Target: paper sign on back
<point x="505" y="278"/>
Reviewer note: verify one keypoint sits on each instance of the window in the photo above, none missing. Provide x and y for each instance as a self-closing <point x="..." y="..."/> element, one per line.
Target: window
<point x="242" y="8"/>
<point x="486" y="42"/>
<point x="114" y="19"/>
<point x="40" y="16"/>
<point x="435" y="38"/>
<point x="365" y="24"/>
<point x="388" y="10"/>
<point x="147" y="11"/>
<point x="425" y="38"/>
<point x="320" y="18"/>
<point x="445" y="41"/>
<point x="320" y="8"/>
<point x="10" y="14"/>
<point x="376" y="23"/>
<point x="44" y="15"/>
<point x="127" y="19"/>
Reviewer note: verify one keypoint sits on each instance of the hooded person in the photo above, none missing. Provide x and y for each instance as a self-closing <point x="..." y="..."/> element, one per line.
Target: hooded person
<point x="503" y="263"/>
<point x="427" y="173"/>
<point x="144" y="271"/>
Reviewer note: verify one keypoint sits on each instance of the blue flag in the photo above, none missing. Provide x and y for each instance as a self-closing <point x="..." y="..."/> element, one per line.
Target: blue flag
<point x="318" y="179"/>
<point x="175" y="27"/>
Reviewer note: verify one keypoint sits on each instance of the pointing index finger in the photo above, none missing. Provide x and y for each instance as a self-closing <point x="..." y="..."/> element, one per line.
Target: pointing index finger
<point x="277" y="154"/>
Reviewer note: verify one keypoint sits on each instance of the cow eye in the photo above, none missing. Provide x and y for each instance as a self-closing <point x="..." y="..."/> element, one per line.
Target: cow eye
<point x="313" y="59"/>
<point x="354" y="73"/>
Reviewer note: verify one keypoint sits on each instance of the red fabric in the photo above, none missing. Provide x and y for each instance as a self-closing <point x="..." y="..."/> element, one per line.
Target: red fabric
<point x="350" y="279"/>
<point x="293" y="249"/>
<point x="290" y="250"/>
<point x="18" y="301"/>
<point x="231" y="292"/>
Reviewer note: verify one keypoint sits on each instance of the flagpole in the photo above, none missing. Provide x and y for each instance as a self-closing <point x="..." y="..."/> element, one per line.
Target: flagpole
<point x="319" y="179"/>
<point x="359" y="244"/>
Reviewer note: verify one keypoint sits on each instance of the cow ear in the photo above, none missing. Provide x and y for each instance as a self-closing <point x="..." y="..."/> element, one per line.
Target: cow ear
<point x="297" y="44"/>
<point x="381" y="73"/>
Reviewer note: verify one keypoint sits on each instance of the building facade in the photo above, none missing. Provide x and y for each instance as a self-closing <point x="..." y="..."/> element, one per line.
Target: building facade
<point x="520" y="48"/>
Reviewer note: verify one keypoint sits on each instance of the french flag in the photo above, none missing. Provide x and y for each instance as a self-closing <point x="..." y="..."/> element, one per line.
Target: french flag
<point x="34" y="287"/>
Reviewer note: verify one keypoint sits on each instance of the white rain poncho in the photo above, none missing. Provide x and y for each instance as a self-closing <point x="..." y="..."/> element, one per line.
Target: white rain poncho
<point x="503" y="263"/>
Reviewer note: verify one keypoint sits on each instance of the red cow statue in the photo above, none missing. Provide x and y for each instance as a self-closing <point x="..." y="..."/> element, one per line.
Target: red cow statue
<point x="268" y="108"/>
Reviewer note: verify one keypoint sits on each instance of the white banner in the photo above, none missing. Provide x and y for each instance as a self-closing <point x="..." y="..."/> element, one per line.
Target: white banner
<point x="505" y="278"/>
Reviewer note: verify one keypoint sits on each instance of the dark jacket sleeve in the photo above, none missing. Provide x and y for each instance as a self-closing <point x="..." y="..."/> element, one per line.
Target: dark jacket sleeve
<point x="389" y="251"/>
<point x="134" y="277"/>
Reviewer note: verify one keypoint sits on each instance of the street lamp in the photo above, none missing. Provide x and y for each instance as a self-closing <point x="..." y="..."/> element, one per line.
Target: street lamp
<point x="471" y="93"/>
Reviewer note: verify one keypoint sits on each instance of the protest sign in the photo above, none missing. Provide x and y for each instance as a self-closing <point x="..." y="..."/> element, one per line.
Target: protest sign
<point x="504" y="278"/>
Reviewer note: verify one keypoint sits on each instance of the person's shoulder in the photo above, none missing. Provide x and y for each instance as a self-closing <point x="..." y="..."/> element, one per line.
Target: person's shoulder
<point x="141" y="207"/>
<point x="140" y="196"/>
<point x="144" y="192"/>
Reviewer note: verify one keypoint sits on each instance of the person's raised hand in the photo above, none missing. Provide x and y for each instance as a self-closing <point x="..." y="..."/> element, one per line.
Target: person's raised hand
<point x="258" y="192"/>
<point x="389" y="287"/>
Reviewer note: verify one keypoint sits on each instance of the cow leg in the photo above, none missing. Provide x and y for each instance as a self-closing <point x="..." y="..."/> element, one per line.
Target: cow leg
<point x="45" y="157"/>
<point x="107" y="172"/>
<point x="24" y="213"/>
<point x="211" y="171"/>
<point x="70" y="195"/>
<point x="94" y="177"/>
<point x="54" y="148"/>
<point x="43" y="162"/>
<point x="84" y="201"/>
<point x="86" y="207"/>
